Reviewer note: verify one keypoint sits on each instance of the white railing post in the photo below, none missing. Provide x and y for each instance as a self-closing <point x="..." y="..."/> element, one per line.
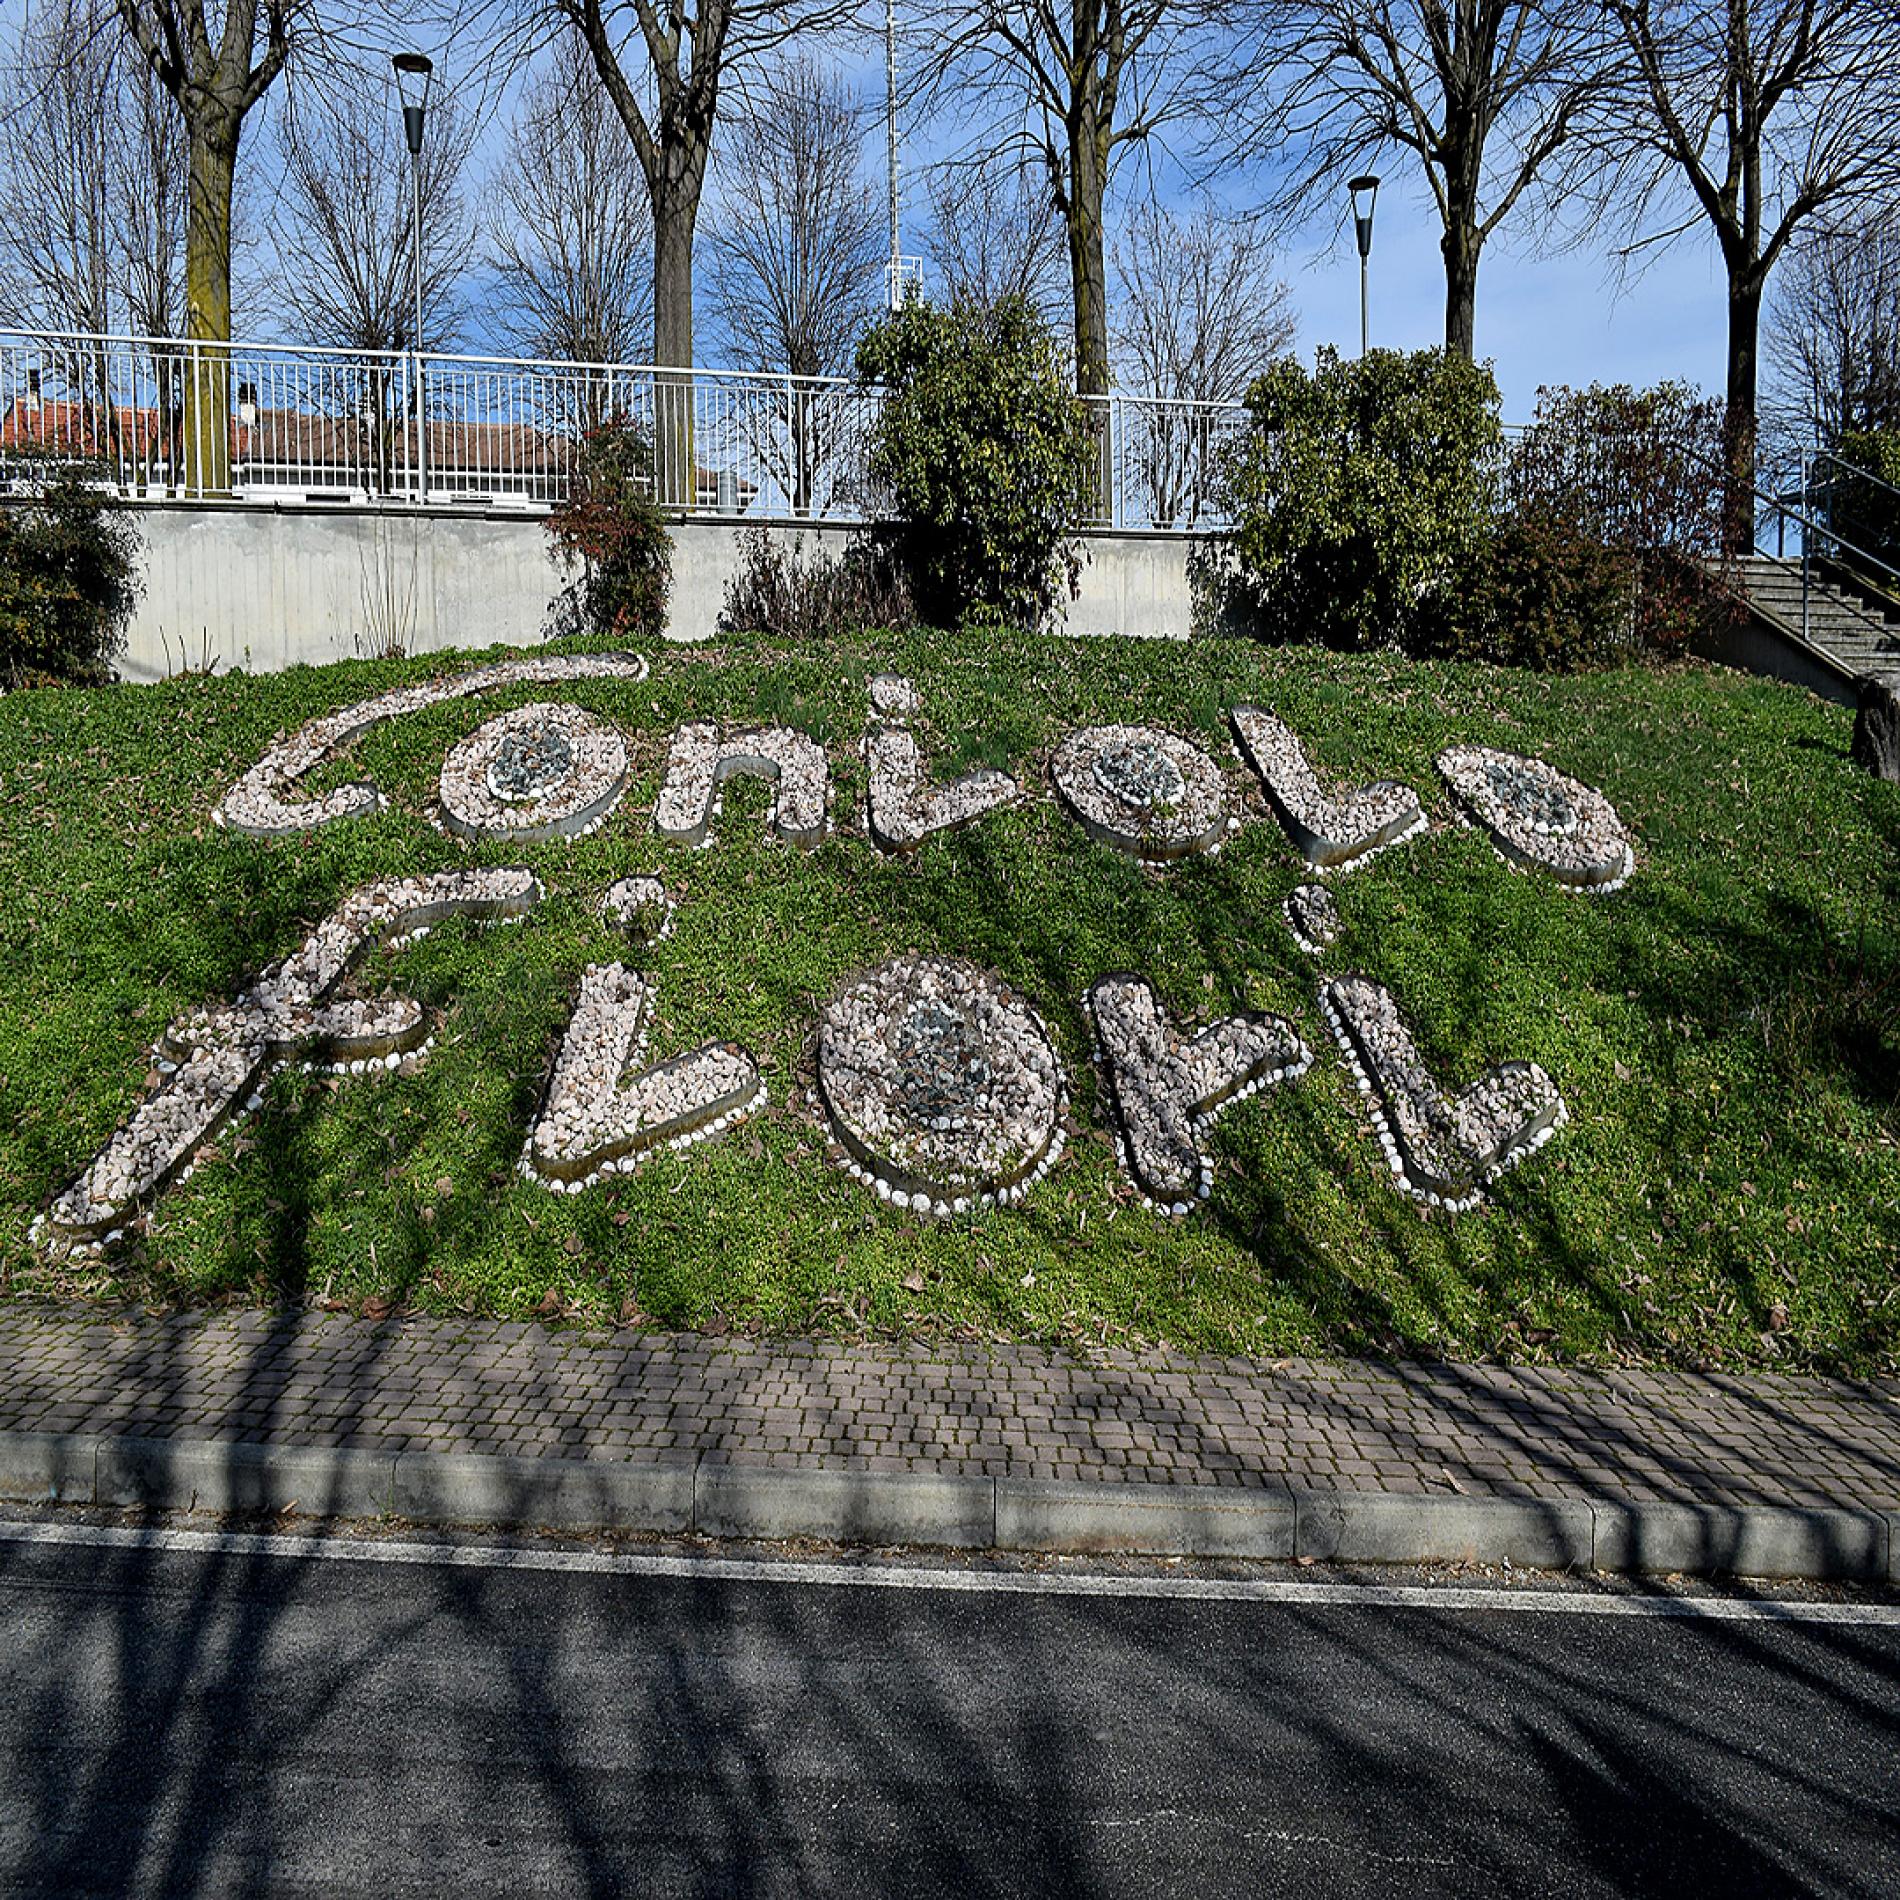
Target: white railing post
<point x="418" y="472"/>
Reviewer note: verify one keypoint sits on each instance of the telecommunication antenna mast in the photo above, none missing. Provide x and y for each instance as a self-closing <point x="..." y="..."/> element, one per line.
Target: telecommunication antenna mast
<point x="890" y="142"/>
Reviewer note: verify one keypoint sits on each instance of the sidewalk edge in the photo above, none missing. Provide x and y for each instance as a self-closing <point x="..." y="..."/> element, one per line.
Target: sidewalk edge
<point x="712" y="1497"/>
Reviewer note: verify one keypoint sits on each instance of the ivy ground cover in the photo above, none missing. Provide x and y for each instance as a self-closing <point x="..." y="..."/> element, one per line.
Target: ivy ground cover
<point x="1725" y="1030"/>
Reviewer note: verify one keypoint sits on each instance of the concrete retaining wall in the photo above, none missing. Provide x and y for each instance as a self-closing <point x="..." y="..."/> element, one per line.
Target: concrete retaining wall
<point x="268" y="587"/>
<point x="1757" y="644"/>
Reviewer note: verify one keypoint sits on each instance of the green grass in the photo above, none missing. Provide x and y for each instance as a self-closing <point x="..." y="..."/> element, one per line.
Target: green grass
<point x="1725" y="1030"/>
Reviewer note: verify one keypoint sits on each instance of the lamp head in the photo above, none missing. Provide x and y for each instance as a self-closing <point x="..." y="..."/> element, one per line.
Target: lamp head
<point x="1365" y="194"/>
<point x="413" y="79"/>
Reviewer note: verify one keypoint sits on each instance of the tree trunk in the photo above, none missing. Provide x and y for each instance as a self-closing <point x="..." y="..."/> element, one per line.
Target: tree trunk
<point x="207" y="406"/>
<point x="1460" y="245"/>
<point x="1088" y="269"/>
<point x="675" y="214"/>
<point x="1088" y="279"/>
<point x="1744" y="331"/>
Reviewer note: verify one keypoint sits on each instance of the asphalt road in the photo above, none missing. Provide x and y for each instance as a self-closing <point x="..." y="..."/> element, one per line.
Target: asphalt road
<point x="243" y="1721"/>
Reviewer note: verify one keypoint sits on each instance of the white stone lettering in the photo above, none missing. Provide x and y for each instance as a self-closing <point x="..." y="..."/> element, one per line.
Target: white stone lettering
<point x="700" y="760"/>
<point x="901" y="807"/>
<point x="941" y="1086"/>
<point x="1331" y="831"/>
<point x="1167" y="1088"/>
<point x="1540" y="820"/>
<point x="212" y="1062"/>
<point x="538" y="772"/>
<point x="1142" y="790"/>
<point x="262" y="802"/>
<point x="1438" y="1146"/>
<point x="599" y="1120"/>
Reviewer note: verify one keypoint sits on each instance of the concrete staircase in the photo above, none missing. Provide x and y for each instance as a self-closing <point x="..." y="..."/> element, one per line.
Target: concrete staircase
<point x="1858" y="637"/>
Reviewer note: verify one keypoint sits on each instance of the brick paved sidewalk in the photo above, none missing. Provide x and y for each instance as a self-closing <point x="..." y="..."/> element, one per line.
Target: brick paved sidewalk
<point x="435" y="1385"/>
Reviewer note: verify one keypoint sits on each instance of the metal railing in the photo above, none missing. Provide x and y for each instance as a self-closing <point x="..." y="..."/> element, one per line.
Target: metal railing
<point x="1794" y="510"/>
<point x="181" y="420"/>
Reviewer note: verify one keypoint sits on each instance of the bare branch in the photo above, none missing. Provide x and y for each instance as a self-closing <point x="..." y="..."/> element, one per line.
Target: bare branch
<point x="343" y="272"/>
<point x="1482" y="93"/>
<point x="570" y="227"/>
<point x="1104" y="76"/>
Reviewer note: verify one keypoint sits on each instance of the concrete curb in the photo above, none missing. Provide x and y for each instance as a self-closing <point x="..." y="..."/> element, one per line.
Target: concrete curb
<point x="694" y="1495"/>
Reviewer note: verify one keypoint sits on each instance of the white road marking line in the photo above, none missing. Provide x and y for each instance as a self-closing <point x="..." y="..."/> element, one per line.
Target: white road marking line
<point x="1286" y="1592"/>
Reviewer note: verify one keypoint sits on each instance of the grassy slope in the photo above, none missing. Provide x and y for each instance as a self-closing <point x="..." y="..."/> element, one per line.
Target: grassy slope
<point x="1724" y="1030"/>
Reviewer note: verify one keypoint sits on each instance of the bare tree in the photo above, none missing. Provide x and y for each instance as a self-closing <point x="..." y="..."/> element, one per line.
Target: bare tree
<point x="343" y="274"/>
<point x="797" y="254"/>
<point x="1767" y="115"/>
<point x="90" y="182"/>
<point x="570" y="229"/>
<point x="215" y="77"/>
<point x="1099" y="77"/>
<point x="91" y="220"/>
<point x="663" y="66"/>
<point x="147" y="194"/>
<point x="1480" y="93"/>
<point x="1833" y="336"/>
<point x="344" y="270"/>
<point x="995" y="233"/>
<point x="1198" y="315"/>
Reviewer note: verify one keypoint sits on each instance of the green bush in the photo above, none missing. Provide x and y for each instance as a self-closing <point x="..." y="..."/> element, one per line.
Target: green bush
<point x="69" y="580"/>
<point x="1636" y="475"/>
<point x="610" y="524"/>
<point x="1545" y="596"/>
<point x="1364" y="496"/>
<point x="1867" y="513"/>
<point x="776" y="589"/>
<point x="987" y="462"/>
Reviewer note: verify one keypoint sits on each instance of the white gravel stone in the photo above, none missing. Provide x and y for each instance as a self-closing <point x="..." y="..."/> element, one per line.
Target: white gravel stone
<point x="1541" y="820"/>
<point x="939" y="1082"/>
<point x="903" y="809"/>
<point x="641" y="907"/>
<point x="1167" y="1088"/>
<point x="700" y="760"/>
<point x="262" y="801"/>
<point x="1142" y="790"/>
<point x="595" y="1113"/>
<point x="1439" y="1146"/>
<point x="1331" y="831"/>
<point x="217" y="1058"/>
<point x="583" y="772"/>
<point x="1312" y="915"/>
<point x="894" y="697"/>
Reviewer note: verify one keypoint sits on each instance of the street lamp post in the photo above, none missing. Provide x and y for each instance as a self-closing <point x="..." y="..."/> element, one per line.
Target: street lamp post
<point x="414" y="76"/>
<point x="1365" y="187"/>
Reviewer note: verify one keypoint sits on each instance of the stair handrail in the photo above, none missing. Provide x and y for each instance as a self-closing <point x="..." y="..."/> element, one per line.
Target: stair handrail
<point x="1811" y="531"/>
<point x="1855" y="469"/>
<point x="1886" y="589"/>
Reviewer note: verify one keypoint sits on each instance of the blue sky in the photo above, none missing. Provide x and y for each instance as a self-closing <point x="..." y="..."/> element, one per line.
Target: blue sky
<point x="1563" y="318"/>
<point x="1557" y="319"/>
<point x="1540" y="319"/>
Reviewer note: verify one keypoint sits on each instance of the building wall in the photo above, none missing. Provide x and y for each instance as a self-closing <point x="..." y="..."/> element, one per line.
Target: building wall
<point x="268" y="587"/>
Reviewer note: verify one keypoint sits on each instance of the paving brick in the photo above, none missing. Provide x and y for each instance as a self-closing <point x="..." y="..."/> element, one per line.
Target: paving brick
<point x="516" y="1389"/>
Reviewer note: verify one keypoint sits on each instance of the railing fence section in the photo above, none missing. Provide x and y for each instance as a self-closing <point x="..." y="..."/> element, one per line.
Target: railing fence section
<point x="179" y="420"/>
